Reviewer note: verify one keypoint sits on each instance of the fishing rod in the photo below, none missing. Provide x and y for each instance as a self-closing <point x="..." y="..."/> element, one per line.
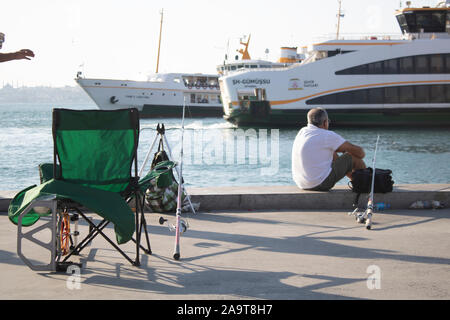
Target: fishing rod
<point x="176" y="253"/>
<point x="366" y="216"/>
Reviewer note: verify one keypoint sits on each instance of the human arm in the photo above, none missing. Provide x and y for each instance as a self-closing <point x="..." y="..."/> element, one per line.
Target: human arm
<point x="353" y="149"/>
<point x="18" y="55"/>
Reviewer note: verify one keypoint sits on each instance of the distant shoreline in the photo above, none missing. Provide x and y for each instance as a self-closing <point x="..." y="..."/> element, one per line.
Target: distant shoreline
<point x="43" y="94"/>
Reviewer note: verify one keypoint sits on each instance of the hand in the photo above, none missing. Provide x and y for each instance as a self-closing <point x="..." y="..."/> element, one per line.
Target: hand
<point x="24" y="54"/>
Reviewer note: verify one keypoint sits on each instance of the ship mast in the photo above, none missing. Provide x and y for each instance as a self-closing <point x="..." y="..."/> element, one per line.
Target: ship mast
<point x="159" y="44"/>
<point x="339" y="16"/>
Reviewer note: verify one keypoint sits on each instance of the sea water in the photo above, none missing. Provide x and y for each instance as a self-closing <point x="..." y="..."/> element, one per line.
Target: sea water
<point x="216" y="153"/>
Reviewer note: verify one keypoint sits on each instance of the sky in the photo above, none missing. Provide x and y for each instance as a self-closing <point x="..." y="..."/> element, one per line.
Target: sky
<point x="116" y="39"/>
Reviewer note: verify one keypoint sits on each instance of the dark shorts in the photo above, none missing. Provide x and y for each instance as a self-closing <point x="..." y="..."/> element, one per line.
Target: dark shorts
<point x="339" y="168"/>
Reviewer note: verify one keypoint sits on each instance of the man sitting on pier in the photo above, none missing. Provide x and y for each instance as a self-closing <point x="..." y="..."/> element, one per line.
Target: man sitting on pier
<point x="316" y="164"/>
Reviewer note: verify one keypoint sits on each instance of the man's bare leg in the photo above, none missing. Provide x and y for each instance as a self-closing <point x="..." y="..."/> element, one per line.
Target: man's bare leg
<point x="357" y="163"/>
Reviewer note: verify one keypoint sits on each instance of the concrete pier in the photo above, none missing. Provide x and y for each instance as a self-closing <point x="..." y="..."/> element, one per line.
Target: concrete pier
<point x="293" y="198"/>
<point x="257" y="255"/>
<point x="257" y="243"/>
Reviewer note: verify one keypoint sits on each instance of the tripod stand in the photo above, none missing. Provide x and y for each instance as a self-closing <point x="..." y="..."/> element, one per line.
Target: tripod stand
<point x="160" y="129"/>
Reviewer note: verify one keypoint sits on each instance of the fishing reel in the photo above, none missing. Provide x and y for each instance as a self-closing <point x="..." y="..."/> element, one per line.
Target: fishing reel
<point x="67" y="238"/>
<point x="172" y="227"/>
<point x="363" y="217"/>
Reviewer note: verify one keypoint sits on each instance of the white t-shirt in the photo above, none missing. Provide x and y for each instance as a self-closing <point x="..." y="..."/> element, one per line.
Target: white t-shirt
<point x="312" y="155"/>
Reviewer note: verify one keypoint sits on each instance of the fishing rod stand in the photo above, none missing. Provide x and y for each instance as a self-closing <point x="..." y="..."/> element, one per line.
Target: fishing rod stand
<point x="161" y="136"/>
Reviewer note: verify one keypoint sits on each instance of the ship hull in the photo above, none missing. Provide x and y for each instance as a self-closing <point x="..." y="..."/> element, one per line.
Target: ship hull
<point x="176" y="111"/>
<point x="392" y="117"/>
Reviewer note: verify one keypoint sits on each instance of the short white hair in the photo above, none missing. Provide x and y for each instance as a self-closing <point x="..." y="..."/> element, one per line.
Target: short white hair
<point x="317" y="116"/>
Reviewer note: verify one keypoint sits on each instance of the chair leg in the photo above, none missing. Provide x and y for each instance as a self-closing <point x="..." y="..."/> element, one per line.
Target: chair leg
<point x="140" y="214"/>
<point x="96" y="230"/>
<point x="91" y="235"/>
<point x="144" y="223"/>
<point x="50" y="203"/>
<point x="138" y="233"/>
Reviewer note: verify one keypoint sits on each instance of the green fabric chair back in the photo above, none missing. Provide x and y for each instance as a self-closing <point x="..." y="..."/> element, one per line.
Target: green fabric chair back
<point x="96" y="148"/>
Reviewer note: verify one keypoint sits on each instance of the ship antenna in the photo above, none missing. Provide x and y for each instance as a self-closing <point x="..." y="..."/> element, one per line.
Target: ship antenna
<point x="159" y="44"/>
<point x="339" y="16"/>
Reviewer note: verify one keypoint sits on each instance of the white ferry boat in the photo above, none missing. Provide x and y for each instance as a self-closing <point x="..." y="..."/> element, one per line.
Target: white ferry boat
<point x="373" y="81"/>
<point x="162" y="95"/>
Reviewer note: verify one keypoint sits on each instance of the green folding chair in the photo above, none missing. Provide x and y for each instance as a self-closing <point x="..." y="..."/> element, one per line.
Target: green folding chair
<point x="95" y="168"/>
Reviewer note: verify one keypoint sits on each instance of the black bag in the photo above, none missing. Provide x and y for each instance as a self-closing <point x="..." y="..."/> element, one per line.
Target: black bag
<point x="160" y="155"/>
<point x="362" y="181"/>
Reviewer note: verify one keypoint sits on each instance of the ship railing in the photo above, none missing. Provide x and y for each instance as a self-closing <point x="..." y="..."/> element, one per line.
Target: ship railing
<point x="360" y="36"/>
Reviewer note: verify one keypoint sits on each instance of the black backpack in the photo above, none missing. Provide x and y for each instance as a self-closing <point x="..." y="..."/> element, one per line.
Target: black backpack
<point x="362" y="181"/>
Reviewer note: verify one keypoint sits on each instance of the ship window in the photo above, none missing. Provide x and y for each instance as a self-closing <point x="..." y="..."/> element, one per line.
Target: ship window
<point x="390" y="66"/>
<point x="406" y="65"/>
<point x="360" y="96"/>
<point x="422" y="94"/>
<point x="333" y="53"/>
<point x="406" y="94"/>
<point x="402" y="23"/>
<point x="423" y="20"/>
<point x="438" y="21"/>
<point x="362" y="69"/>
<point x="410" y="18"/>
<point x="388" y="95"/>
<point x="391" y="95"/>
<point x="428" y="21"/>
<point x="344" y="98"/>
<point x="375" y="95"/>
<point x="329" y="99"/>
<point x="421" y="64"/>
<point x="375" y="68"/>
<point x="447" y="61"/>
<point x="437" y="63"/>
<point x="437" y="94"/>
